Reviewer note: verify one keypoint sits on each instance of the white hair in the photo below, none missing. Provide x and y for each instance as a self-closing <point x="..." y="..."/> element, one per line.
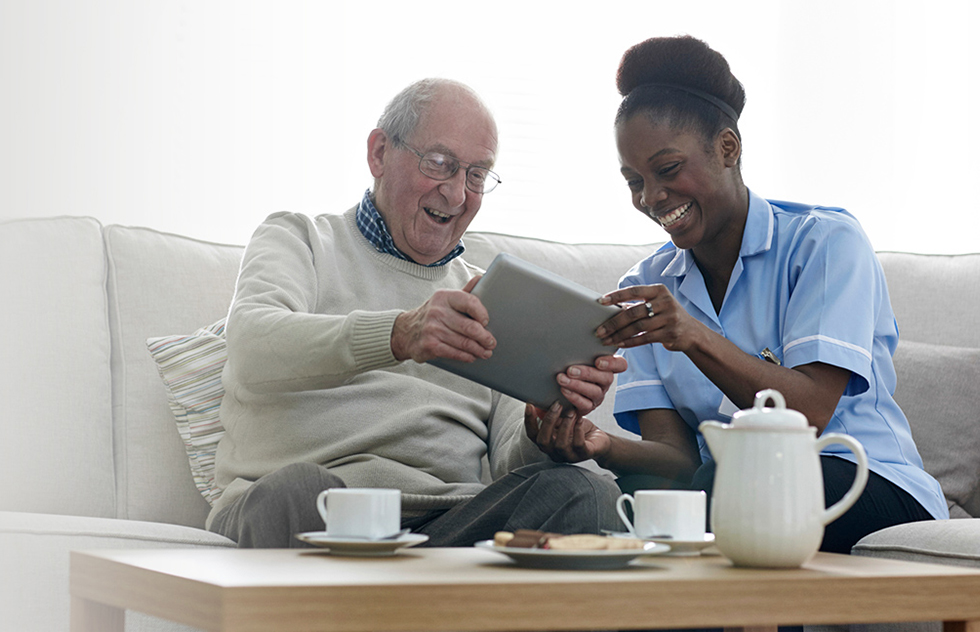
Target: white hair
<point x="402" y="114"/>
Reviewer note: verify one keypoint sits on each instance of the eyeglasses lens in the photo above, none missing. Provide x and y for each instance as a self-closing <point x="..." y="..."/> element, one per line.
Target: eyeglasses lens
<point x="441" y="167"/>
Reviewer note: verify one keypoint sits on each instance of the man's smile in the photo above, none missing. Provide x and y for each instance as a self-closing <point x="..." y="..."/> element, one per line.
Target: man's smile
<point x="442" y="218"/>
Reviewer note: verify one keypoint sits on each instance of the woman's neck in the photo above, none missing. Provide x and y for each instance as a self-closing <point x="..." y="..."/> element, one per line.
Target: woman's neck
<point x="716" y="258"/>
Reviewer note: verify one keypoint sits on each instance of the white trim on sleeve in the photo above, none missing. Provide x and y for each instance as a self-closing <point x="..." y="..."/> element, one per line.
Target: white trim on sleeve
<point x="832" y="341"/>
<point x="638" y="384"/>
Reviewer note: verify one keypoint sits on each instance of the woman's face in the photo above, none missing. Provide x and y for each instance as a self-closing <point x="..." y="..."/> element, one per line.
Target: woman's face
<point x="686" y="186"/>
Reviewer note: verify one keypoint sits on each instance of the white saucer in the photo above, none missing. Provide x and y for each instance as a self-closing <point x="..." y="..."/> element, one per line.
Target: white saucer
<point x="677" y="547"/>
<point x="358" y="546"/>
<point x="565" y="559"/>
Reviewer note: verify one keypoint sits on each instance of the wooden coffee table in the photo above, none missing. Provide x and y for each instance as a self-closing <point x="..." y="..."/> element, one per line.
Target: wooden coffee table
<point x="473" y="589"/>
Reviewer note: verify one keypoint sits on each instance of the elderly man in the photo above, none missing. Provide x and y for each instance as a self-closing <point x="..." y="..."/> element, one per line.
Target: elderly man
<point x="332" y="322"/>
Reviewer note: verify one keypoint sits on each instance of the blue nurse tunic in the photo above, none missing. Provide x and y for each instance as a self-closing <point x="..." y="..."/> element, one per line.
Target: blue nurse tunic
<point x="807" y="287"/>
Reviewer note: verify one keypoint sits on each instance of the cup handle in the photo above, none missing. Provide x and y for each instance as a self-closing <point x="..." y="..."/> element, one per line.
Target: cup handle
<point x="321" y="504"/>
<point x="622" y="512"/>
<point x="836" y="510"/>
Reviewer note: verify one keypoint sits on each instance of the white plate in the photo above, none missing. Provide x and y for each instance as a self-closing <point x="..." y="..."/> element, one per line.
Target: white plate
<point x="573" y="560"/>
<point x="677" y="547"/>
<point x="358" y="546"/>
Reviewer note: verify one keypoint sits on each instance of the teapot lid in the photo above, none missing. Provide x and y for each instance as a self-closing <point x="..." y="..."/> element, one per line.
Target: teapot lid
<point x="777" y="417"/>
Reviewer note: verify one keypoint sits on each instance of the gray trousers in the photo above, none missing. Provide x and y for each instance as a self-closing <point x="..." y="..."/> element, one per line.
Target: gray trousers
<point x="553" y="497"/>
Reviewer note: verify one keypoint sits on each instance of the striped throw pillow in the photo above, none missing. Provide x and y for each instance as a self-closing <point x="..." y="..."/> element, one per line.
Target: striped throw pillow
<point x="191" y="370"/>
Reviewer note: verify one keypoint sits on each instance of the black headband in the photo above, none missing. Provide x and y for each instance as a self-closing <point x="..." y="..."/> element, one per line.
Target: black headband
<point x="713" y="100"/>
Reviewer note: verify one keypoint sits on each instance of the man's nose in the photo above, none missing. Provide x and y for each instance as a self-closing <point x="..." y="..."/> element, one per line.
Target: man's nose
<point x="454" y="189"/>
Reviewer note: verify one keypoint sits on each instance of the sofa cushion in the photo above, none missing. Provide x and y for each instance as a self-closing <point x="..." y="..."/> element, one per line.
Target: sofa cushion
<point x="191" y="367"/>
<point x="56" y="451"/>
<point x="936" y="298"/>
<point x="38" y="598"/>
<point x="158" y="284"/>
<point x="937" y="389"/>
<point x="954" y="542"/>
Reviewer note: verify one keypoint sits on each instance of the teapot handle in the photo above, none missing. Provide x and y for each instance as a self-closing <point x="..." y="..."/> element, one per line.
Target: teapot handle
<point x="836" y="510"/>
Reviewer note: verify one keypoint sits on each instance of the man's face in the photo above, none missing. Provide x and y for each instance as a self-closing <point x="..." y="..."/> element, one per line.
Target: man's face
<point x="427" y="217"/>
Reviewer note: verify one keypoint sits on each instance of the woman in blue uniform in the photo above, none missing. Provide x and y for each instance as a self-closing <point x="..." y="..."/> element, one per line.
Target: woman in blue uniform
<point x="748" y="294"/>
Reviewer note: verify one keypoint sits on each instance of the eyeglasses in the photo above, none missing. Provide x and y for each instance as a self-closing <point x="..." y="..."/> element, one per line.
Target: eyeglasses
<point x="439" y="166"/>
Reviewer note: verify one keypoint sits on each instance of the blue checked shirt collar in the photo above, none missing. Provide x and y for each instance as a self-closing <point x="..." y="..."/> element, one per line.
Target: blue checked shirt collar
<point x="372" y="226"/>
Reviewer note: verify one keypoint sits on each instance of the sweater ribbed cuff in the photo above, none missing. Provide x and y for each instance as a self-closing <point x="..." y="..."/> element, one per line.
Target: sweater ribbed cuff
<point x="371" y="340"/>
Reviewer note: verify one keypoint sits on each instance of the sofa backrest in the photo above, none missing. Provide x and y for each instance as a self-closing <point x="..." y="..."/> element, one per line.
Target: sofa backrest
<point x="87" y="430"/>
<point x="158" y="284"/>
<point x="54" y="369"/>
<point x="936" y="298"/>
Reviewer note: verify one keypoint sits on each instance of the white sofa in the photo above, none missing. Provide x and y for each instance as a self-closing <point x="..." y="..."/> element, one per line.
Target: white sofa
<point x="90" y="455"/>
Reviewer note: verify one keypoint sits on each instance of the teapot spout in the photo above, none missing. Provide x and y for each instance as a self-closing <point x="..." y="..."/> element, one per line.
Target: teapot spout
<point x="714" y="435"/>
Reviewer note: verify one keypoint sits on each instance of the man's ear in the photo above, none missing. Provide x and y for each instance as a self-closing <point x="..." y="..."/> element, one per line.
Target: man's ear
<point x="378" y="143"/>
<point x="730" y="147"/>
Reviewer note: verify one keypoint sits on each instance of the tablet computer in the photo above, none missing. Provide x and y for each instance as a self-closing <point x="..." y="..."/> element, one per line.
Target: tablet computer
<point x="543" y="323"/>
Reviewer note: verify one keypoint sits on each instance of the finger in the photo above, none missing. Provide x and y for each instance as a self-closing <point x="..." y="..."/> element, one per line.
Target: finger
<point x="546" y="429"/>
<point x="584" y="404"/>
<point x="446" y="343"/>
<point x="565" y="434"/>
<point x="589" y="376"/>
<point x="642" y="312"/>
<point x="465" y="303"/>
<point x="640" y="340"/>
<point x="471" y="318"/>
<point x="532" y="417"/>
<point x="444" y="324"/>
<point x="647" y="327"/>
<point x="585" y="396"/>
<point x="632" y="294"/>
<point x="579" y="444"/>
<point x="612" y="363"/>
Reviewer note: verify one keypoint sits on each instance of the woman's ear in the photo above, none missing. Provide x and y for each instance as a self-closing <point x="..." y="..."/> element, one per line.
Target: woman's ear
<point x="377" y="145"/>
<point x="730" y="147"/>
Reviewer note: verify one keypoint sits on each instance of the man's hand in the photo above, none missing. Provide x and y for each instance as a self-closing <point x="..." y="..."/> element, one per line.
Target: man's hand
<point x="565" y="436"/>
<point x="451" y="324"/>
<point x="585" y="386"/>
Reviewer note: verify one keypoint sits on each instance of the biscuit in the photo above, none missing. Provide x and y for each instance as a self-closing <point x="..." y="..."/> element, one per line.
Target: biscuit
<point x="530" y="539"/>
<point x="615" y="544"/>
<point x="579" y="542"/>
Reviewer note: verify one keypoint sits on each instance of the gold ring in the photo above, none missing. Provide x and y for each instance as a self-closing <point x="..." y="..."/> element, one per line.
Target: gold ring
<point x="649" y="309"/>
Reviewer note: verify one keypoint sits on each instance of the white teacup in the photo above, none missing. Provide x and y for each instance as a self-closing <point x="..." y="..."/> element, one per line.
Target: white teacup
<point x="669" y="513"/>
<point x="352" y="512"/>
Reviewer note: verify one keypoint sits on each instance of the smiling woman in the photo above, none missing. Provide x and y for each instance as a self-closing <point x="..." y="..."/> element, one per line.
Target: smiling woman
<point x="204" y="117"/>
<point x="750" y="294"/>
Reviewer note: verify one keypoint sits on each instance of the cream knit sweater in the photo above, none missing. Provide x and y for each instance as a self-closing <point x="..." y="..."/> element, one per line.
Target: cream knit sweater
<point x="311" y="377"/>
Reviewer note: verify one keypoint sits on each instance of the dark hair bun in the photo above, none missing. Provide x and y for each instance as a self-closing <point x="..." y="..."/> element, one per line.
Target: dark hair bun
<point x="683" y="61"/>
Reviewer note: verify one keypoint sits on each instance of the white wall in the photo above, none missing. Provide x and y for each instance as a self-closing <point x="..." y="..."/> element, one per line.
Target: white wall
<point x="203" y="116"/>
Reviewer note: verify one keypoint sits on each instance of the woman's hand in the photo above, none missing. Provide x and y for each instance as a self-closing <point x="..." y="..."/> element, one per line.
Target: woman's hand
<point x="451" y="324"/>
<point x="656" y="316"/>
<point x="565" y="436"/>
<point x="585" y="387"/>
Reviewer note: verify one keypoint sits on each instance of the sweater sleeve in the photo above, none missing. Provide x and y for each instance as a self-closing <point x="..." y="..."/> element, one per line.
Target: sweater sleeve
<point x="277" y="342"/>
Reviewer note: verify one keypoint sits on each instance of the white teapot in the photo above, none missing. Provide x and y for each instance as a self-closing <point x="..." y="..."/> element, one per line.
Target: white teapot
<point x="767" y="507"/>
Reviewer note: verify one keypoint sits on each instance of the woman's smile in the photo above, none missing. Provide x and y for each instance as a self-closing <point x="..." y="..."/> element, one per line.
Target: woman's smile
<point x="669" y="219"/>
